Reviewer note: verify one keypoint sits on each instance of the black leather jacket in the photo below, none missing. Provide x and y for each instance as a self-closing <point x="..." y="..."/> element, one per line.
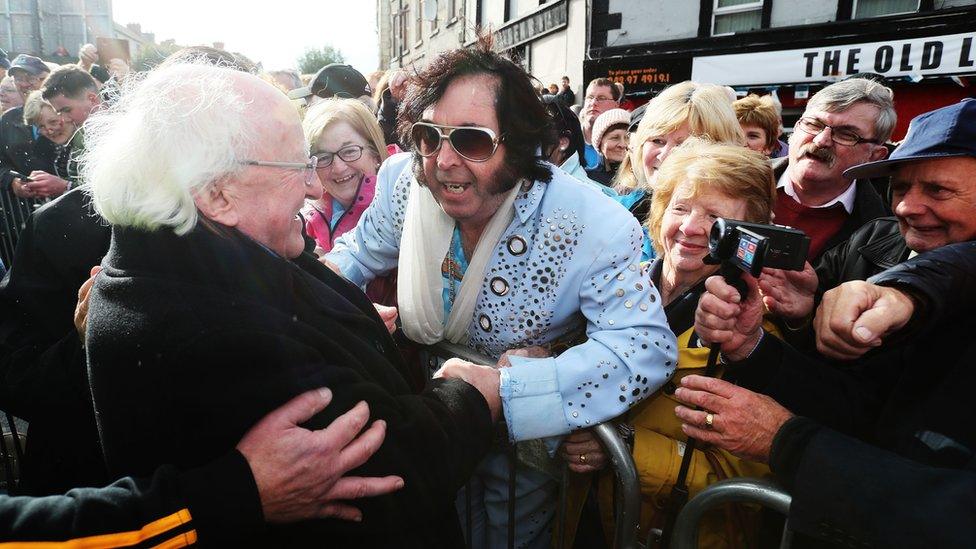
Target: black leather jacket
<point x="876" y="246"/>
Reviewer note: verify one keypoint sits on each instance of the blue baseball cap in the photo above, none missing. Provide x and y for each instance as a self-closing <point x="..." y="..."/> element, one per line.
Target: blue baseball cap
<point x="942" y="133"/>
<point x="29" y="64"/>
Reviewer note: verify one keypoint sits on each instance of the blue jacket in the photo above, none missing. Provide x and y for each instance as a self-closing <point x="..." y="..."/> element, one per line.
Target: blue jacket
<point x="567" y="266"/>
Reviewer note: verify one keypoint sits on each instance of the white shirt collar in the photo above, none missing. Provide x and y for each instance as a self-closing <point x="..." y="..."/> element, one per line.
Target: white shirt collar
<point x="846" y="198"/>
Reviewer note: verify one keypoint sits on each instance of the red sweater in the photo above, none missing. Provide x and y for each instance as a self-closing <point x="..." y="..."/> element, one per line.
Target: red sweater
<point x="820" y="224"/>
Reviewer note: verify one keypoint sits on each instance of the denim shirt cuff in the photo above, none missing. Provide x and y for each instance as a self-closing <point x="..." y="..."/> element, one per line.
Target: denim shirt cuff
<point x="531" y="400"/>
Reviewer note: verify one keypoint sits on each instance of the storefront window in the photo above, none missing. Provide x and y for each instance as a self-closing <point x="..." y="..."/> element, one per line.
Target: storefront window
<point x="877" y="8"/>
<point x="732" y="16"/>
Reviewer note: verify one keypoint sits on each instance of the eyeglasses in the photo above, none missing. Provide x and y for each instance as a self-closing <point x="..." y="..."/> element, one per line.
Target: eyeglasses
<point x="598" y="99"/>
<point x="307" y="167"/>
<point x="472" y="143"/>
<point x="841" y="136"/>
<point x="349" y="153"/>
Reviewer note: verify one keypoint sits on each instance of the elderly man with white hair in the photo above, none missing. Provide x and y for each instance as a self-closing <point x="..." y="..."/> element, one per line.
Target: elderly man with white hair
<point x="208" y="314"/>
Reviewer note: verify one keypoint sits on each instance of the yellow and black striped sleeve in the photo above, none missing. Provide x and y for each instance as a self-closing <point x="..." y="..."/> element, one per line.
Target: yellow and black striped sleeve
<point x="217" y="503"/>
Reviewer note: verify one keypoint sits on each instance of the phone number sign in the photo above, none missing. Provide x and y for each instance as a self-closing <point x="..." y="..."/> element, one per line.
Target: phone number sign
<point x="640" y="74"/>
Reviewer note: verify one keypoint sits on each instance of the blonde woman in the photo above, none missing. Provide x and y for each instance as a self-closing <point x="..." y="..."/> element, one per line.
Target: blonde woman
<point x="683" y="110"/>
<point x="348" y="144"/>
<point x="700" y="182"/>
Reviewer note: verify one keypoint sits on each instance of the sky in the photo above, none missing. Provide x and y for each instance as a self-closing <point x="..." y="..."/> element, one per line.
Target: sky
<point x="275" y="32"/>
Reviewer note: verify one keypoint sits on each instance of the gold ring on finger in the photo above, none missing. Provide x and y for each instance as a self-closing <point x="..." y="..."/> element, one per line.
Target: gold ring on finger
<point x="583" y="458"/>
<point x="709" y="420"/>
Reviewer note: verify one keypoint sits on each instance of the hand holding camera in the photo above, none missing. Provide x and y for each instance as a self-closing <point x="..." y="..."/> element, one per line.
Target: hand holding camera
<point x="725" y="318"/>
<point x="730" y="312"/>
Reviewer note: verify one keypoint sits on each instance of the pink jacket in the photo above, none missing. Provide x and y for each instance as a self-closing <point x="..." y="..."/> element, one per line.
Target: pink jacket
<point x="381" y="290"/>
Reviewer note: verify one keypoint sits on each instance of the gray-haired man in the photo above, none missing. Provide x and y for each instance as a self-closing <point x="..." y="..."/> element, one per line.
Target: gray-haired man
<point x="844" y="124"/>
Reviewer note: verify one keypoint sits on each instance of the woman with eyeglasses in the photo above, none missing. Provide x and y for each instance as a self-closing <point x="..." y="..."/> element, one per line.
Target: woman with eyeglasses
<point x="51" y="149"/>
<point x="348" y="145"/>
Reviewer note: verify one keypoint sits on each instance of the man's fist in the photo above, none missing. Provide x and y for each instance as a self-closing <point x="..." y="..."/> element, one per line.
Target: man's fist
<point x="855" y="316"/>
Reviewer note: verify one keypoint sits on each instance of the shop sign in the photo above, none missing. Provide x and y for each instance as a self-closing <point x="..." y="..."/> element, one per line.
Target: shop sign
<point x="915" y="58"/>
<point x="641" y="73"/>
<point x="536" y="25"/>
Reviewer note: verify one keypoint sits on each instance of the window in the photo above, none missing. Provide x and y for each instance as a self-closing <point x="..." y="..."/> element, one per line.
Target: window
<point x="430" y="14"/>
<point x="404" y="22"/>
<point x="396" y="39"/>
<point x="452" y="11"/>
<point x="878" y="8"/>
<point x="399" y="28"/>
<point x="732" y="16"/>
<point x="418" y="29"/>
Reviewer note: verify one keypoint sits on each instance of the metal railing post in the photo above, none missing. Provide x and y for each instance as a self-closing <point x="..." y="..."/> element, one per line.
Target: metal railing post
<point x="627" y="504"/>
<point x="741" y="490"/>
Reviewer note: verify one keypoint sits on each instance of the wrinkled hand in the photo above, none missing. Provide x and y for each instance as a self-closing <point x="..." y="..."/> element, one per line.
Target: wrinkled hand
<point x="389" y="316"/>
<point x="583" y="443"/>
<point x="87" y="55"/>
<point x="21" y="188"/>
<point x="743" y="423"/>
<point x="46" y="185"/>
<point x="533" y="351"/>
<point x="484" y="378"/>
<point x="789" y="294"/>
<point x="721" y="318"/>
<point x="81" y="309"/>
<point x="299" y="473"/>
<point x="855" y="316"/>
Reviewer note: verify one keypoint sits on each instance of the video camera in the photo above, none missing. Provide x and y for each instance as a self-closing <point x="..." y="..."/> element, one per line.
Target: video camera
<point x="753" y="246"/>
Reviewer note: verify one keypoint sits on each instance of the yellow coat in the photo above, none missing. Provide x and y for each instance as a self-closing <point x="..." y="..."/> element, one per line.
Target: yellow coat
<point x="659" y="445"/>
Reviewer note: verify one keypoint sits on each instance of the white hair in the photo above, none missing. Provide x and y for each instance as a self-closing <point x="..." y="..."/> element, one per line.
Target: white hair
<point x="843" y="95"/>
<point x="170" y="135"/>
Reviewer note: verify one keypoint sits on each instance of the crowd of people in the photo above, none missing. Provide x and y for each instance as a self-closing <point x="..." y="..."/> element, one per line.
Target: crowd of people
<point x="225" y="290"/>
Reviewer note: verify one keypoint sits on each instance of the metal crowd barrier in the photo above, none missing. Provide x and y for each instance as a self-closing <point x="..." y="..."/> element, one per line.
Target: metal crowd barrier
<point x="14" y="212"/>
<point x="11" y="453"/>
<point x="627" y="494"/>
<point x="741" y="490"/>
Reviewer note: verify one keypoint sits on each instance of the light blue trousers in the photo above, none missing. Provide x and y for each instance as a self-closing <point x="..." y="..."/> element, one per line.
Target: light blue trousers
<point x="535" y="505"/>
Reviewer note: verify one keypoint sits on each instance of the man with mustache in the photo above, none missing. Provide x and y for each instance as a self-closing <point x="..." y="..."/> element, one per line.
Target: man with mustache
<point x="844" y="124"/>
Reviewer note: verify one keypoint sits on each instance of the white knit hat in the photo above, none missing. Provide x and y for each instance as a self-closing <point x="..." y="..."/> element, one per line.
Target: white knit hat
<point x="605" y="121"/>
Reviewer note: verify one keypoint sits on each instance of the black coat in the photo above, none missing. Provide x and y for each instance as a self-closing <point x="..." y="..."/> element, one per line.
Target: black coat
<point x="891" y="459"/>
<point x="876" y="246"/>
<point x="16" y="147"/>
<point x="191" y="340"/>
<point x="43" y="375"/>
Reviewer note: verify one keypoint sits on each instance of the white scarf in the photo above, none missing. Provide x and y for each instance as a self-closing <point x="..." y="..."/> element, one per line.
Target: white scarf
<point x="427" y="235"/>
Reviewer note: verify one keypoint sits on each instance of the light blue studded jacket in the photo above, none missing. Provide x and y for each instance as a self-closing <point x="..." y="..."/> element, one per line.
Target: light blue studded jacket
<point x="567" y="266"/>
